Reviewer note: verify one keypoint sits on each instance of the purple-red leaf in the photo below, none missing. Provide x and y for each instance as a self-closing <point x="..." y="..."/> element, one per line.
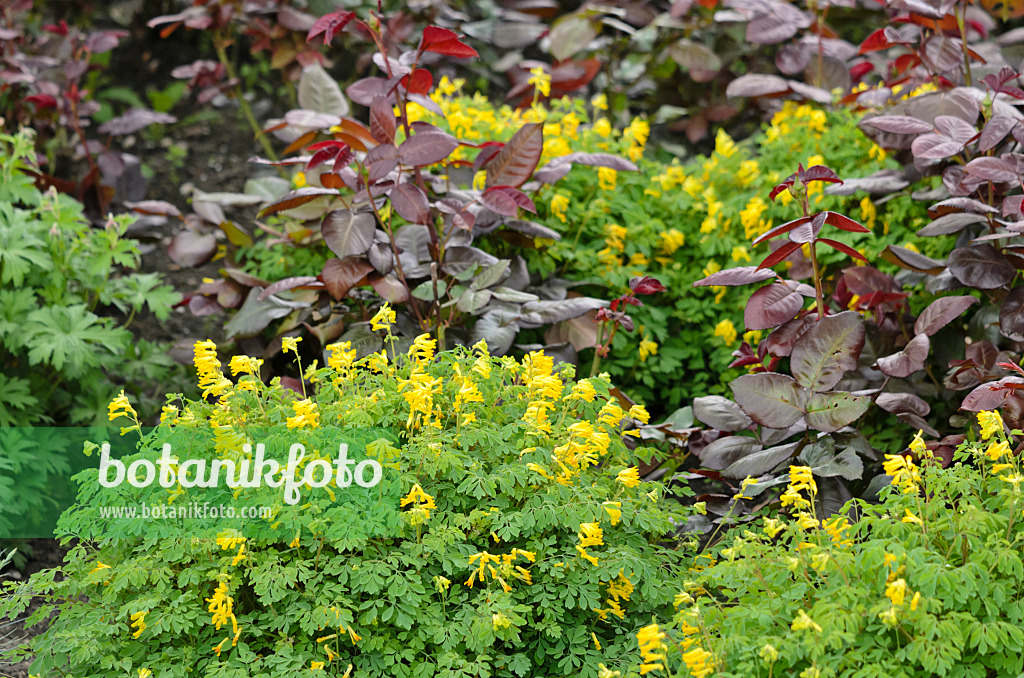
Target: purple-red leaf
<point x="645" y="285"/>
<point x="427" y="147"/>
<point x="443" y="41"/>
<point x="844" y="223"/>
<point x="382" y="121"/>
<point x="898" y="124"/>
<point x="940" y="313"/>
<point x="329" y="25"/>
<point x="909" y="360"/>
<point x="779" y="230"/>
<point x="742" y="275"/>
<point x="779" y="254"/>
<point x="296" y="198"/>
<point x="517" y="159"/>
<point x="845" y="249"/>
<point x="411" y="203"/>
<point x="308" y="281"/>
<point x="771" y="306"/>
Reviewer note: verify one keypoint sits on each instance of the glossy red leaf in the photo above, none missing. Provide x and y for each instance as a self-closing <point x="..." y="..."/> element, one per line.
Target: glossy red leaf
<point x="329" y="25"/>
<point x="778" y="255"/>
<point x="443" y="41"/>
<point x="845" y="249"/>
<point x="783" y="228"/>
<point x="844" y="223"/>
<point x="646" y="285"/>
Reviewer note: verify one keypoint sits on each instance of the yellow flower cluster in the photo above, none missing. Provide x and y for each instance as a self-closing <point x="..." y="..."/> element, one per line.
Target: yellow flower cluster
<point x="422" y="504"/>
<point x="590" y="534"/>
<point x="139" y="622"/>
<point x="751" y="218"/>
<point x="904" y="473"/>
<point x="797" y="116"/>
<point x="222" y="609"/>
<point x="506" y="568"/>
<point x="652" y="648"/>
<point x="727" y="331"/>
<point x="618" y="591"/>
<point x="211" y="379"/>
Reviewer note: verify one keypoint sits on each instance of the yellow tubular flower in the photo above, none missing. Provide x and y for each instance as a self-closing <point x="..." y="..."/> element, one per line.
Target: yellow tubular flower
<point x="541" y="80"/>
<point x="727" y="331"/>
<point x="606" y="178"/>
<point x="991" y="423"/>
<point x="802" y="622"/>
<point x="559" y="204"/>
<point x="997" y="450"/>
<point x="211" y="379"/>
<point x="121" y="407"/>
<point x="306" y="415"/>
<point x="647" y="348"/>
<point x="290" y="344"/>
<point x="629" y="477"/>
<point x="383" y="319"/>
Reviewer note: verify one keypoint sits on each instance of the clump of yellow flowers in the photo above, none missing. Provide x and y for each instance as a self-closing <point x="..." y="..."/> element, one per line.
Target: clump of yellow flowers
<point x="509" y="477"/>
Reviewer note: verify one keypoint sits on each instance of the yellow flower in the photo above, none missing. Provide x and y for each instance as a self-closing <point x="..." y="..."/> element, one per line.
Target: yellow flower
<point x="145" y="673"/>
<point x="422" y="349"/>
<point x="605" y="672"/>
<point x="727" y="331"/>
<point x="911" y="518"/>
<point x="316" y="666"/>
<point x="613" y="509"/>
<point x="651" y="640"/>
<point x="211" y="379"/>
<point x="896" y="591"/>
<point x="600" y="102"/>
<point x="640" y="413"/>
<point x="671" y="240"/>
<point x="541" y="80"/>
<point x="590" y="534"/>
<point x="243" y="364"/>
<point x="121" y="407"/>
<point x="868" y="213"/>
<point x="306" y="415"/>
<point x="917" y="445"/>
<point x="915" y="601"/>
<point x="559" y="204"/>
<point x="911" y="246"/>
<point x="903" y="471"/>
<point x="991" y="423"/>
<point x="998" y="450"/>
<point x="290" y="344"/>
<point x="597" y="643"/>
<point x="383" y="319"/>
<point x="739" y="253"/>
<point x="341" y="357"/>
<point x="724" y="145"/>
<point x="647" y="348"/>
<point x="606" y="178"/>
<point x="772" y="526"/>
<point x="888" y="617"/>
<point x="769" y="653"/>
<point x="629" y="477"/>
<point x="299" y="180"/>
<point x="602" y="128"/>
<point x="423" y="504"/>
<point x="139" y="622"/>
<point x="802" y="622"/>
